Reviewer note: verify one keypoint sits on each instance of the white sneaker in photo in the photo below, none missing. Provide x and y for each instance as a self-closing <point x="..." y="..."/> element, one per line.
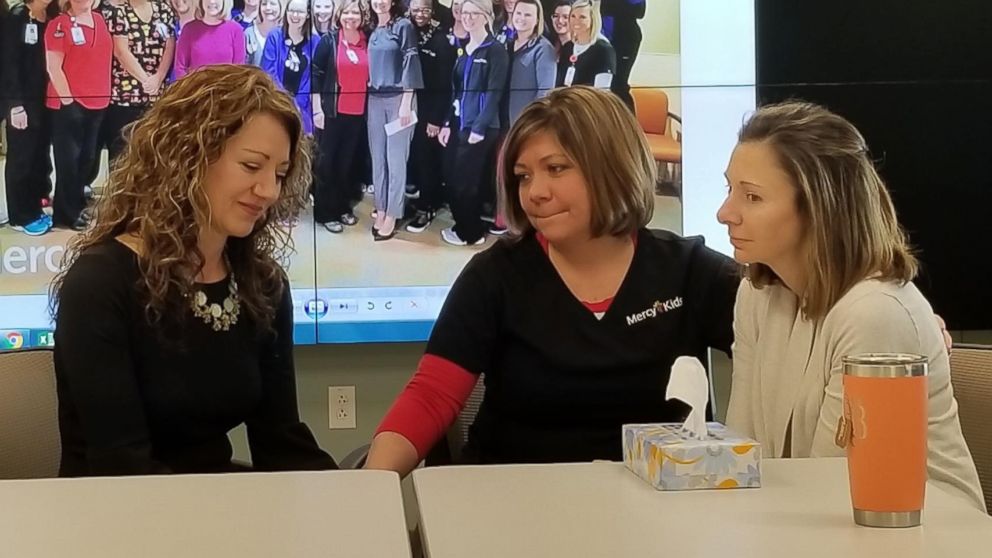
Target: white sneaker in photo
<point x="451" y="237"/>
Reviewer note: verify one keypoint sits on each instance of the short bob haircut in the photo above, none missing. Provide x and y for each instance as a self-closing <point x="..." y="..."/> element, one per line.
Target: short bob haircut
<point x="850" y="227"/>
<point x="601" y="136"/>
<point x="363" y="8"/>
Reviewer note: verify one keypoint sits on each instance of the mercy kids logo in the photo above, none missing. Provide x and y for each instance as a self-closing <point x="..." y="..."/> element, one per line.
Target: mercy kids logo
<point x="657" y="309"/>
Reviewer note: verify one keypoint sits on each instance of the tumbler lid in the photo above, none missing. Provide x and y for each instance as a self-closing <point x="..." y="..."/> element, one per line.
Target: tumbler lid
<point x="885" y="365"/>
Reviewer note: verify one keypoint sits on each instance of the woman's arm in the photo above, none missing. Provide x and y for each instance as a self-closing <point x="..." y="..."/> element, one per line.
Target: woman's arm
<point x="11" y="82"/>
<point x="183" y="49"/>
<point x="278" y="440"/>
<point x="611" y="58"/>
<point x="392" y="451"/>
<point x="412" y="77"/>
<point x="563" y="63"/>
<point x="462" y="345"/>
<point x="546" y="67"/>
<point x="421" y="415"/>
<point x="127" y="60"/>
<point x="446" y="55"/>
<point x="162" y="72"/>
<point x="238" y="44"/>
<point x="604" y="78"/>
<point x="316" y="108"/>
<point x="319" y="64"/>
<point x="122" y="50"/>
<point x="317" y="111"/>
<point x="54" y="57"/>
<point x="406" y="107"/>
<point x="96" y="372"/>
<point x="715" y="278"/>
<point x="881" y="323"/>
<point x="168" y="57"/>
<point x="740" y="415"/>
<point x="270" y="55"/>
<point x="498" y="61"/>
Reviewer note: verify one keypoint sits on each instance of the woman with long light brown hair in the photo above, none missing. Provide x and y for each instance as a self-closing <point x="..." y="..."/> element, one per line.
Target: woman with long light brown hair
<point x="174" y="317"/>
<point x="829" y="275"/>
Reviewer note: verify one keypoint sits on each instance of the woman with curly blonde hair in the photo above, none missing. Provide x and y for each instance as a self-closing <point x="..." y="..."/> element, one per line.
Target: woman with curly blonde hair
<point x="174" y="317"/>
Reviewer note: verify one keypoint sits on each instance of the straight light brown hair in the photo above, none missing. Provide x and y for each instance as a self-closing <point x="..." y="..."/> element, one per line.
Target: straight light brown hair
<point x="851" y="229"/>
<point x="601" y="136"/>
<point x="539" y="26"/>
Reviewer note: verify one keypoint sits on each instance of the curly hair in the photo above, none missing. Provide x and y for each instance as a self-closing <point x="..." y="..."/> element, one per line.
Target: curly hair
<point x="155" y="192"/>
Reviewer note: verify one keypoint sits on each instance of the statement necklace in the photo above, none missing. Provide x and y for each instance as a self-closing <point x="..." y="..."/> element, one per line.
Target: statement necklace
<point x="218" y="316"/>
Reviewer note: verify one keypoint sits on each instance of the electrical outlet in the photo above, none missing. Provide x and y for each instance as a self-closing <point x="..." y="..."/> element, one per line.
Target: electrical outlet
<point x="341" y="407"/>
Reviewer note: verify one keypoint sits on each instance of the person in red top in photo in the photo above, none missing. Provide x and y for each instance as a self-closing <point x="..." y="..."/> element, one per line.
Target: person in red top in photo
<point x="78" y="54"/>
<point x="340" y="76"/>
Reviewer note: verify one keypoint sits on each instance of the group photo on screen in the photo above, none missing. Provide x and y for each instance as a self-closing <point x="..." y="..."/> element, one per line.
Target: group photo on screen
<point x="406" y="104"/>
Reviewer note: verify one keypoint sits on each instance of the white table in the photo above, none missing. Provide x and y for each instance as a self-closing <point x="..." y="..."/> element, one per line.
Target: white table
<point x="803" y="510"/>
<point x="244" y="515"/>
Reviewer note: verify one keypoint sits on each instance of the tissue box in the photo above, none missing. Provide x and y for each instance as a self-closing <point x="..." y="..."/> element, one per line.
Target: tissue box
<point x="668" y="459"/>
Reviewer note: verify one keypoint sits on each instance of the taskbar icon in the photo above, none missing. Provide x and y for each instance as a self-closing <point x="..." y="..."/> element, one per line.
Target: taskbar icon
<point x="14" y="339"/>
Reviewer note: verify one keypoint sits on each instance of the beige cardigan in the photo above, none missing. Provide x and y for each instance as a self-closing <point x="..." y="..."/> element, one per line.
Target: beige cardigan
<point x="788" y="367"/>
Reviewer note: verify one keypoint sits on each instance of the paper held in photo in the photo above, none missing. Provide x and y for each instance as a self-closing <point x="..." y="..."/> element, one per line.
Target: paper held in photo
<point x="395" y="126"/>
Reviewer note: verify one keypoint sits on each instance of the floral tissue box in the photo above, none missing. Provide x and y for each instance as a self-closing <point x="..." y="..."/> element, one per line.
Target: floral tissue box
<point x="668" y="458"/>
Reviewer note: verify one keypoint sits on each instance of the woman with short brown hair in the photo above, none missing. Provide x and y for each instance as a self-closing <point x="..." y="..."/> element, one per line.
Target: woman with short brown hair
<point x="577" y="318"/>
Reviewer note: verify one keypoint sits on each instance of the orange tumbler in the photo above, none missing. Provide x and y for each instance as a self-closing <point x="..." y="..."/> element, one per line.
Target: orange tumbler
<point x="884" y="428"/>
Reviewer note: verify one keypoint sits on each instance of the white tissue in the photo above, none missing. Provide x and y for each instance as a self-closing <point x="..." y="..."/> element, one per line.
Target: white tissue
<point x="689" y="384"/>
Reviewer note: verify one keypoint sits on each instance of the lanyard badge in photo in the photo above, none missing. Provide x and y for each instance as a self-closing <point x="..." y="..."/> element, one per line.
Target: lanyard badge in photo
<point x="78" y="38"/>
<point x="292" y="61"/>
<point x="31" y="33"/>
<point x="570" y="72"/>
<point x="350" y="53"/>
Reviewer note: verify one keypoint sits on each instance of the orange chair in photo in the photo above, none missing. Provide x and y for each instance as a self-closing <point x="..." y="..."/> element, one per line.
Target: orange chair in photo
<point x="665" y="141"/>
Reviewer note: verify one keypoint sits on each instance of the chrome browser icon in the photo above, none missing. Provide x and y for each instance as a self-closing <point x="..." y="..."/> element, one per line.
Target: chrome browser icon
<point x="10" y="340"/>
